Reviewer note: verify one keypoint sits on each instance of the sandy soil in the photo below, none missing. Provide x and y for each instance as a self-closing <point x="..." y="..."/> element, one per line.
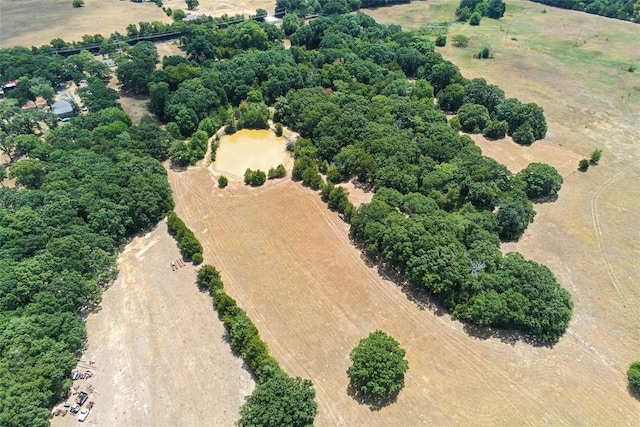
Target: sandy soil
<point x="158" y="346"/>
<point x="37" y="22"/>
<point x="288" y="261"/>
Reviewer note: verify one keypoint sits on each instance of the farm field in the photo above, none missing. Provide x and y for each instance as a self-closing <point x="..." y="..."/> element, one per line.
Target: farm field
<point x="288" y="261"/>
<point x="158" y="347"/>
<point x="37" y="22"/>
<point x="20" y="26"/>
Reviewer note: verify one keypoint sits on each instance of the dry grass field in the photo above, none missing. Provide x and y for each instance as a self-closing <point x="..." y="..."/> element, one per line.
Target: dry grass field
<point x="289" y="262"/>
<point x="37" y="22"/>
<point x="158" y="346"/>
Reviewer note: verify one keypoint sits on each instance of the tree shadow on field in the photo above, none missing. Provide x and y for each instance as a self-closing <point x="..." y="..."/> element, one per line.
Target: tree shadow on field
<point x="420" y="297"/>
<point x="633" y="392"/>
<point x="507" y="336"/>
<point x="374" y="403"/>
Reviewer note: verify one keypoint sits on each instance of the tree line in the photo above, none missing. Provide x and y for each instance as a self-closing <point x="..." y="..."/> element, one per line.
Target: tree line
<point x="278" y="399"/>
<point x="626" y="10"/>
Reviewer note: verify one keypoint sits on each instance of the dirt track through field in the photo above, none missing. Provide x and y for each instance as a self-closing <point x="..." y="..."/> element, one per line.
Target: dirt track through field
<point x="288" y="261"/>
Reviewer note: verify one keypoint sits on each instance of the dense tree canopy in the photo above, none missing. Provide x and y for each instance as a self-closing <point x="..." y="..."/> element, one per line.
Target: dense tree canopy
<point x="82" y="189"/>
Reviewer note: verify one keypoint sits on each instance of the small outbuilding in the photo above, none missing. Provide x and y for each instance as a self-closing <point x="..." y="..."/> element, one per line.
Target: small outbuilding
<point x="63" y="109"/>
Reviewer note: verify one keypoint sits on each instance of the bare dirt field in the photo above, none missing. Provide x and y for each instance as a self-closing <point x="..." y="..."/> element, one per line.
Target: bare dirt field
<point x="288" y="261"/>
<point x="158" y="346"/>
<point x="37" y="22"/>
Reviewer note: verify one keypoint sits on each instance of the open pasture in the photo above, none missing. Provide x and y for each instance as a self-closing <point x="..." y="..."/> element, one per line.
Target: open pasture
<point x="289" y="262"/>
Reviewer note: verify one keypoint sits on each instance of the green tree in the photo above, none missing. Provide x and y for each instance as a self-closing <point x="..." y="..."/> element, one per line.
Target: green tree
<point x="583" y="165"/>
<point x="474" y="118"/>
<point x="223" y="181"/>
<point x="378" y="365"/>
<point x="192" y="4"/>
<point x="451" y="97"/>
<point x="290" y="23"/>
<point x="441" y="40"/>
<point x="178" y="15"/>
<point x="495" y="9"/>
<point x="28" y="173"/>
<point x="595" y="156"/>
<point x="280" y="401"/>
<point x="77" y="3"/>
<point x="633" y="374"/>
<point x="3" y="175"/>
<point x="512" y="220"/>
<point x="496" y="129"/>
<point x="541" y="181"/>
<point x="475" y="18"/>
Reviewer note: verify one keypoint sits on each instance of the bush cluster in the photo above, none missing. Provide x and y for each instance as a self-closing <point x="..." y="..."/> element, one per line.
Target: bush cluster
<point x="277" y="172"/>
<point x="190" y="247"/>
<point x="254" y="178"/>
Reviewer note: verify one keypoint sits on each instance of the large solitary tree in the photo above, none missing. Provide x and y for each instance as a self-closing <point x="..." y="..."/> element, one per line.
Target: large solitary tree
<point x="378" y="365"/>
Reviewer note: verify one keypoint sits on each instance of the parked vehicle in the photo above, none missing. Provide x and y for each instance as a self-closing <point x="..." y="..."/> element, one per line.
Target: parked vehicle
<point x="82" y="397"/>
<point x="83" y="414"/>
<point x="74" y="409"/>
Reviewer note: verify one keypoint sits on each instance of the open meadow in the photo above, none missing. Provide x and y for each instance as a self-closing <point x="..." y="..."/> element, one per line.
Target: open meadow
<point x="37" y="22"/>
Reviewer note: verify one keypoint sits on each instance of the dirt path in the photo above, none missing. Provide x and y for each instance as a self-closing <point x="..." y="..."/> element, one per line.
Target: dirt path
<point x="289" y="263"/>
<point x="160" y="357"/>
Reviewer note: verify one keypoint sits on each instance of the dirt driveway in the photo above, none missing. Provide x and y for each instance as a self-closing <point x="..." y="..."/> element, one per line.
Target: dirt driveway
<point x="158" y="347"/>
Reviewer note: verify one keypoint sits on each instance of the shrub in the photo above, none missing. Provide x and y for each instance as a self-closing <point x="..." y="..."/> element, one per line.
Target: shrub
<point x="484" y="53"/>
<point x="223" y="181"/>
<point x="460" y="40"/>
<point x="197" y="258"/>
<point x="595" y="157"/>
<point x="583" y="165"/>
<point x="633" y="374"/>
<point x="454" y="122"/>
<point x="77" y="3"/>
<point x="441" y="40"/>
<point x="278" y="172"/>
<point x="496" y="129"/>
<point x="254" y="178"/>
<point x="279" y="129"/>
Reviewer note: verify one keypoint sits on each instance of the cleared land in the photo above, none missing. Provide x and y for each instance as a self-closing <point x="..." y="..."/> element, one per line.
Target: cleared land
<point x="290" y="264"/>
<point x="37" y="22"/>
<point x="158" y="346"/>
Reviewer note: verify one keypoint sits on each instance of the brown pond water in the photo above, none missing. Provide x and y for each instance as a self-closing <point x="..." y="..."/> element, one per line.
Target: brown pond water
<point x="249" y="148"/>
